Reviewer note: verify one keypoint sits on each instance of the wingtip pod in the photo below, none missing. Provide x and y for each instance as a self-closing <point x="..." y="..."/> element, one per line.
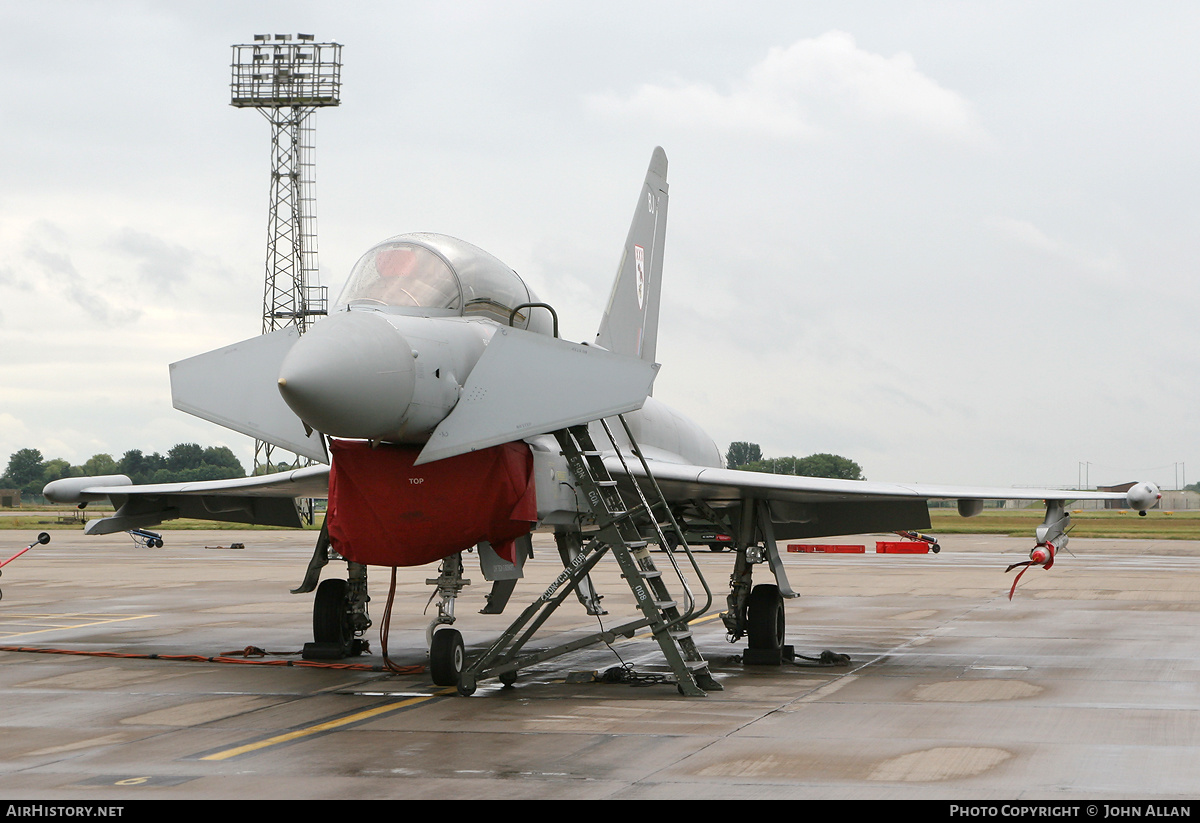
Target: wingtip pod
<point x="71" y="489"/>
<point x="1143" y="496"/>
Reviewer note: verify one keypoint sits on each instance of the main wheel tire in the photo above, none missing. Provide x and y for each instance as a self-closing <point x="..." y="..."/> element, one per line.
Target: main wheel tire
<point x="766" y="623"/>
<point x="447" y="657"/>
<point x="331" y="613"/>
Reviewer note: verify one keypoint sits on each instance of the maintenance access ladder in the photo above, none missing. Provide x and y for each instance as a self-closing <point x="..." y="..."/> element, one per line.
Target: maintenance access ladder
<point x="618" y="531"/>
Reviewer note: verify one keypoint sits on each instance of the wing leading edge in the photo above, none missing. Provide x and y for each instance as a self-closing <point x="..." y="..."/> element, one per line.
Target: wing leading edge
<point x="267" y="500"/>
<point x="823" y="507"/>
<point x="704" y="483"/>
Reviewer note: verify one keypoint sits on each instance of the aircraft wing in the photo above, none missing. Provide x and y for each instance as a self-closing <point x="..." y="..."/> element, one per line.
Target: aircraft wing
<point x="264" y="500"/>
<point x="823" y="507"/>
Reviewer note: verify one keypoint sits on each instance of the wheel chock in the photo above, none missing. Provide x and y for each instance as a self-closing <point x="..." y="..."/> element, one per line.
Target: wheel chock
<point x="769" y="657"/>
<point x="323" y="651"/>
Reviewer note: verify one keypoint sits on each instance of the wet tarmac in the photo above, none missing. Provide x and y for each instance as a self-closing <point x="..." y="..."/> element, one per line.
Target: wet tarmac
<point x="1085" y="686"/>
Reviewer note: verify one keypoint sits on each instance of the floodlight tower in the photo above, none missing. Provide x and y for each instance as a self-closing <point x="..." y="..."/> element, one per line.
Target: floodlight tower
<point x="287" y="79"/>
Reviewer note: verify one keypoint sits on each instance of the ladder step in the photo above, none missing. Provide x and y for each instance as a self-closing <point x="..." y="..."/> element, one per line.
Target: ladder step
<point x="621" y="523"/>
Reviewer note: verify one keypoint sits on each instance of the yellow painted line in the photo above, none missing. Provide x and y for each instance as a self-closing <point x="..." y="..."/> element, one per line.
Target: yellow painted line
<point x="80" y="620"/>
<point x="328" y="725"/>
<point x="644" y="635"/>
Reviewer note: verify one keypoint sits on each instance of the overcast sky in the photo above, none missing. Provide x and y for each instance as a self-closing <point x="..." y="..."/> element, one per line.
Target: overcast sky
<point x="955" y="242"/>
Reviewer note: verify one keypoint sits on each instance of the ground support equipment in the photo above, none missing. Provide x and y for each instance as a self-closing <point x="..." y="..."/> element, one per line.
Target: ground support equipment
<point x="618" y="529"/>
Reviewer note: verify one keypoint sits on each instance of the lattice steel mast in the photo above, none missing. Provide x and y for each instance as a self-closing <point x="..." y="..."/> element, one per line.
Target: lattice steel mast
<point x="287" y="79"/>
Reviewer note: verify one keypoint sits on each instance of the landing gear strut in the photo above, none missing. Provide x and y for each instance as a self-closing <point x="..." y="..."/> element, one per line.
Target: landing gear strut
<point x="756" y="612"/>
<point x="339" y="617"/>
<point x="339" y="609"/>
<point x="447" y="654"/>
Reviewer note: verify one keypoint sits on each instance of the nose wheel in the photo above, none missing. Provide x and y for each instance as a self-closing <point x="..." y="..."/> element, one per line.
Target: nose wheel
<point x="447" y="657"/>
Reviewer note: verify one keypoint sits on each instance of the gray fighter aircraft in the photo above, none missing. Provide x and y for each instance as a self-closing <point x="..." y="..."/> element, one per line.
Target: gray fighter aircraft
<point x="445" y="414"/>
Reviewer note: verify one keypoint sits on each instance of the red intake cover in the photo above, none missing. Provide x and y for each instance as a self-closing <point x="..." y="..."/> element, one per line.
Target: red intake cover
<point x="385" y="512"/>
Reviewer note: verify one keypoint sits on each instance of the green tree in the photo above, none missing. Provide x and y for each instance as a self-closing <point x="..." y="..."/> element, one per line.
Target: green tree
<point x="184" y="456"/>
<point x="815" y="465"/>
<point x="99" y="464"/>
<point x="223" y="458"/>
<point x="740" y="453"/>
<point x="773" y="465"/>
<point x="25" y="469"/>
<point x="132" y="464"/>
<point x="138" y="467"/>
<point x="185" y="462"/>
<point x="829" y="465"/>
<point x="56" y="468"/>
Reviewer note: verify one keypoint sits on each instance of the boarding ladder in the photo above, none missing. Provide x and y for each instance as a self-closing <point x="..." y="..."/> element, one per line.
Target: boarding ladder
<point x="620" y="517"/>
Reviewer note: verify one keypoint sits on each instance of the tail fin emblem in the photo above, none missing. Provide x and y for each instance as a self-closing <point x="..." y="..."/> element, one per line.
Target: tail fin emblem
<point x="639" y="256"/>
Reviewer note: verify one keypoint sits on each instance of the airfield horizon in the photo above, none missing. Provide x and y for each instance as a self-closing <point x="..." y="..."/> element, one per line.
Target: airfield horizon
<point x="1087" y="523"/>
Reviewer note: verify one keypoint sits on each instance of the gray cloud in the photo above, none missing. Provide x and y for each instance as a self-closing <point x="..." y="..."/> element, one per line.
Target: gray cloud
<point x="159" y="264"/>
<point x="49" y="248"/>
<point x="814" y="87"/>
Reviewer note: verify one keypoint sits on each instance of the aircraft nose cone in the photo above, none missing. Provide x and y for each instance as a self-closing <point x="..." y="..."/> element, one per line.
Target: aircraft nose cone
<point x="351" y="375"/>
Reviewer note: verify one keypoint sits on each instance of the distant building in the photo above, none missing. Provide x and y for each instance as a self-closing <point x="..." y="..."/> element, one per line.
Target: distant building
<point x="1120" y="489"/>
<point x="10" y="498"/>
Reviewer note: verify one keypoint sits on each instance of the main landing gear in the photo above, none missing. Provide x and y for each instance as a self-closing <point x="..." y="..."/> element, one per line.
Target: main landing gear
<point x="340" y="616"/>
<point x="766" y="623"/>
<point x="756" y="612"/>
<point x="332" y="624"/>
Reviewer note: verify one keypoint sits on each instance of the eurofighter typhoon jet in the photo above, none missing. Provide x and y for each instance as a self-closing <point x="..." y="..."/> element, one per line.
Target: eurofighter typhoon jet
<point x="446" y="415"/>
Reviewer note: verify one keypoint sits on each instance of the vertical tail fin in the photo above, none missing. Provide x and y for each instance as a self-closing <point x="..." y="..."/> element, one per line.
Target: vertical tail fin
<point x="630" y="324"/>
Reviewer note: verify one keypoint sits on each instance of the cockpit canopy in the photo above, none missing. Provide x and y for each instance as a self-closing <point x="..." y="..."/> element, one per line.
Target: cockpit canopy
<point x="442" y="276"/>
